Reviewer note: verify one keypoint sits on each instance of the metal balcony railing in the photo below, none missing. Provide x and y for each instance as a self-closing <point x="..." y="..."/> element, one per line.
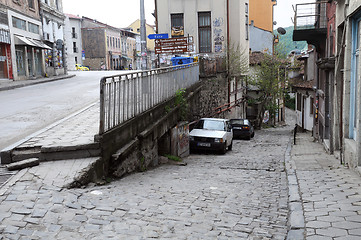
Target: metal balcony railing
<point x="310" y="16"/>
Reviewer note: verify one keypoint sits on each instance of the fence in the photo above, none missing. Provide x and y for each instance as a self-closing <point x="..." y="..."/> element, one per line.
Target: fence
<point x="311" y="15"/>
<point x="123" y="97"/>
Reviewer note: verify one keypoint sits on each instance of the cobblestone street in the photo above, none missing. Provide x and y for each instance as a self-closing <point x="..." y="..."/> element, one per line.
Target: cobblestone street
<point x="240" y="195"/>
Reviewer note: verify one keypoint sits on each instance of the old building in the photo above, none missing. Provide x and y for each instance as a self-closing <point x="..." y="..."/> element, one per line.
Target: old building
<point x="52" y="17"/>
<point x="135" y="28"/>
<point x="73" y="41"/>
<point x="26" y="39"/>
<point x="261" y="25"/>
<point x="315" y="23"/>
<point x="218" y="29"/>
<point x="347" y="92"/>
<point x="102" y="45"/>
<point x="214" y="25"/>
<point x="6" y="65"/>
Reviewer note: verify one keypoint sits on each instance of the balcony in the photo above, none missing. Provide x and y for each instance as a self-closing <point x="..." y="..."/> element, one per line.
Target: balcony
<point x="311" y="23"/>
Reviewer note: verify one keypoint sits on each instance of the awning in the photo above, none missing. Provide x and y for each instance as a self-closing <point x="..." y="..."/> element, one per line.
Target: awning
<point x="19" y="40"/>
<point x="126" y="58"/>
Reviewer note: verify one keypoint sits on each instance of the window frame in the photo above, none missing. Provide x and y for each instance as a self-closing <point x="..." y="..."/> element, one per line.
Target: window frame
<point x="204" y="29"/>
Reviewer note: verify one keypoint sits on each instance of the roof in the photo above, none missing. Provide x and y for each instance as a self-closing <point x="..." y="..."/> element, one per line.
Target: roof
<point x="72" y="16"/>
<point x="256" y="58"/>
<point x="303" y="84"/>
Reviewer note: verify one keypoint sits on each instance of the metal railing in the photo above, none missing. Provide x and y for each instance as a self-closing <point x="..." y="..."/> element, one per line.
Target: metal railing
<point x="311" y="15"/>
<point x="123" y="97"/>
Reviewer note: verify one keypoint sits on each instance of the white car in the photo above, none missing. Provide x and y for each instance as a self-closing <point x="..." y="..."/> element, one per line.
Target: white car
<point x="211" y="134"/>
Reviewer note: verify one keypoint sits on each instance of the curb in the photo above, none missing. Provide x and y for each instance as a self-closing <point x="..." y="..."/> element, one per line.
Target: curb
<point x="31" y="82"/>
<point x="296" y="219"/>
<point x="7" y="150"/>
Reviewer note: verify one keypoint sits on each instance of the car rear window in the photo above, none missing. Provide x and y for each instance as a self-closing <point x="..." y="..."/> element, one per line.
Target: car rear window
<point x="210" y="125"/>
<point x="238" y="121"/>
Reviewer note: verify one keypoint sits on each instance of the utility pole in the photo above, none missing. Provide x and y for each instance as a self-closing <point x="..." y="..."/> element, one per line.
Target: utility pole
<point x="143" y="37"/>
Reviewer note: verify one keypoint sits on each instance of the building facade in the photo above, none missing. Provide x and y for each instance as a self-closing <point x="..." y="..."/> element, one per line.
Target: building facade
<point x="53" y="18"/>
<point x="27" y="47"/>
<point x="219" y="29"/>
<point x="73" y="41"/>
<point x="208" y="22"/>
<point x="6" y="63"/>
<point x="347" y="94"/>
<point x="315" y="23"/>
<point x="152" y="59"/>
<point x="261" y="25"/>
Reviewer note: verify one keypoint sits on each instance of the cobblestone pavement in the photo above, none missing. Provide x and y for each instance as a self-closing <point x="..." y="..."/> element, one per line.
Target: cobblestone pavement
<point x="240" y="195"/>
<point x="331" y="193"/>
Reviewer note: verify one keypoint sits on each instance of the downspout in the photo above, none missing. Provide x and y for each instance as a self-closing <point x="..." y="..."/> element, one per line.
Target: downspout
<point x="342" y="81"/>
<point x="228" y="48"/>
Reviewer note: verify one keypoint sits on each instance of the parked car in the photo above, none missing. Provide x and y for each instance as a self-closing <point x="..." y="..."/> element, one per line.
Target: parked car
<point x="242" y="128"/>
<point x="81" y="68"/>
<point x="211" y="134"/>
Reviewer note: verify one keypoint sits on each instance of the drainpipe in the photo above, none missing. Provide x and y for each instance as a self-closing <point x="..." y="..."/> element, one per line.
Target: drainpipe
<point x="228" y="48"/>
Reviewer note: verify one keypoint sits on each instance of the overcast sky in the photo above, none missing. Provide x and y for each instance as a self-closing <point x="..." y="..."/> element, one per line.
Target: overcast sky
<point x="117" y="13"/>
<point x="283" y="12"/>
<point x="121" y="13"/>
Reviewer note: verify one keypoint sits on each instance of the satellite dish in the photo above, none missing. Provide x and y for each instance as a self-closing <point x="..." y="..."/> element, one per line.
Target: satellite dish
<point x="281" y="30"/>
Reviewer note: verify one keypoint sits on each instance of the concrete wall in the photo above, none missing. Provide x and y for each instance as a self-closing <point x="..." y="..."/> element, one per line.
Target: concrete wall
<point x="267" y="40"/>
<point x="134" y="145"/>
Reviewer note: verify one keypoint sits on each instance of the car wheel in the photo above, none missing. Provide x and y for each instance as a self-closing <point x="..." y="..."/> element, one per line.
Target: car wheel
<point x="252" y="134"/>
<point x="249" y="137"/>
<point x="230" y="146"/>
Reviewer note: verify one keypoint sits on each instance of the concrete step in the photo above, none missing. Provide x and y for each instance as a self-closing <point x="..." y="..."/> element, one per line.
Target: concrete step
<point x="56" y="152"/>
<point x="31" y="162"/>
<point x="25" y="153"/>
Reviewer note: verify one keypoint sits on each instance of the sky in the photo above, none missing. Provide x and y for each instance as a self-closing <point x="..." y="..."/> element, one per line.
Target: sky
<point x="121" y="13"/>
<point x="283" y="12"/>
<point x="116" y="13"/>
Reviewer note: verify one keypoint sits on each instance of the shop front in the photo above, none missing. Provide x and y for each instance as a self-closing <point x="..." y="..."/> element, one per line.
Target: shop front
<point x="6" y="71"/>
<point x="29" y="58"/>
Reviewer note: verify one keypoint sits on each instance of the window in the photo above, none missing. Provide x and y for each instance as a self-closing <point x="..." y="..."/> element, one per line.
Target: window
<point x="299" y="101"/>
<point x="311" y="106"/>
<point x="33" y="28"/>
<point x="246" y="22"/>
<point x="76" y="60"/>
<point x="177" y="25"/>
<point x="57" y="4"/>
<point x="204" y="32"/>
<point x="108" y="41"/>
<point x="19" y="23"/>
<point x="75" y="49"/>
<point x="73" y="33"/>
<point x="46" y="1"/>
<point x="31" y="4"/>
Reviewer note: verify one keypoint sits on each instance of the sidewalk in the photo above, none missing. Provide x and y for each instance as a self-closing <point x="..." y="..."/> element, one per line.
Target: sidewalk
<point x="10" y="84"/>
<point x="325" y="197"/>
<point x="75" y="130"/>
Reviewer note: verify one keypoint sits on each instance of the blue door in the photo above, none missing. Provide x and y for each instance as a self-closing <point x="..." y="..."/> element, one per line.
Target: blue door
<point x="356" y="31"/>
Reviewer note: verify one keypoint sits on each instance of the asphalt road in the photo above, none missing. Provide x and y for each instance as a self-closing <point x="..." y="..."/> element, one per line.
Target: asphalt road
<point x="26" y="110"/>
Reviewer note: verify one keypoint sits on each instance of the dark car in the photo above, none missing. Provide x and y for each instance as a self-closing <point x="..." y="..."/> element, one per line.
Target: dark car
<point x="242" y="128"/>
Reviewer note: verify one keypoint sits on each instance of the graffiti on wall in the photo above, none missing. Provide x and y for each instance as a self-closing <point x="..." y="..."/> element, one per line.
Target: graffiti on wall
<point x="218" y="34"/>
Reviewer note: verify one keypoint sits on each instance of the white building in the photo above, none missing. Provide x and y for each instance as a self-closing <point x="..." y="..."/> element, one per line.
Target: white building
<point x="51" y="12"/>
<point x="73" y="41"/>
<point x="214" y="25"/>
